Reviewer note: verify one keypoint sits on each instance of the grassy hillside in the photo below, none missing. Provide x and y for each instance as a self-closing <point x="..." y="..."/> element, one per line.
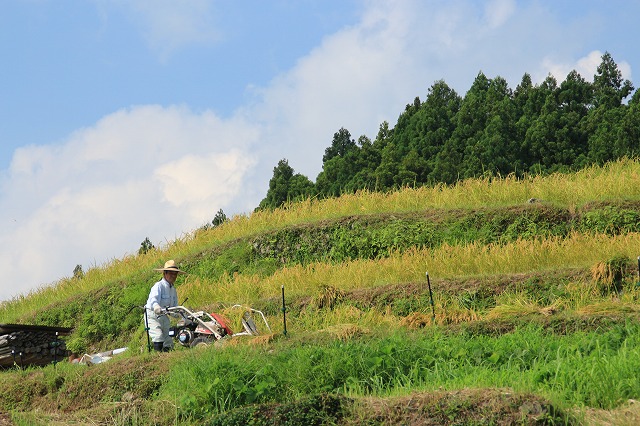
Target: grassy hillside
<point x="534" y="317"/>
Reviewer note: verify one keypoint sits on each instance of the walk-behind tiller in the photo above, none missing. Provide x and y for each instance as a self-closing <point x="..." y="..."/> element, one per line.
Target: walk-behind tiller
<point x="203" y="328"/>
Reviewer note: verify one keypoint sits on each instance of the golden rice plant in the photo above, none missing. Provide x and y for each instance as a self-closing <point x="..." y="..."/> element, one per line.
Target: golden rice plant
<point x="613" y="181"/>
<point x="580" y="293"/>
<point x="608" y="275"/>
<point x="522" y="306"/>
<point x="345" y="331"/>
<point x="369" y="320"/>
<point x="327" y="297"/>
<point x="609" y="307"/>
<point x="446" y="313"/>
<point x="447" y="261"/>
<point x="417" y="320"/>
<point x="616" y="180"/>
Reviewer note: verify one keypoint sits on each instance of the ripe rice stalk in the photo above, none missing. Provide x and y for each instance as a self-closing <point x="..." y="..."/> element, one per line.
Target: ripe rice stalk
<point x="617" y="180"/>
<point x="457" y="316"/>
<point x="345" y="332"/>
<point x="609" y="307"/>
<point x="614" y="181"/>
<point x="521" y="307"/>
<point x="327" y="297"/>
<point x="608" y="275"/>
<point x="343" y="314"/>
<point x="417" y="320"/>
<point x="585" y="297"/>
<point x="447" y="261"/>
<point x="582" y="290"/>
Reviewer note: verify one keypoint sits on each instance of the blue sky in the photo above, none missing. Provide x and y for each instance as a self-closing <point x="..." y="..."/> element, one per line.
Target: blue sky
<point x="127" y="119"/>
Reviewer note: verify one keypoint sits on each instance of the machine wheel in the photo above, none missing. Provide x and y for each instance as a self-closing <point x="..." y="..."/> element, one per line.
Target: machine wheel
<point x="201" y="342"/>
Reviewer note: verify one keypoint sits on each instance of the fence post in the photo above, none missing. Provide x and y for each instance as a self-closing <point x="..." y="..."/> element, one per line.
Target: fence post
<point x="433" y="309"/>
<point x="284" y="312"/>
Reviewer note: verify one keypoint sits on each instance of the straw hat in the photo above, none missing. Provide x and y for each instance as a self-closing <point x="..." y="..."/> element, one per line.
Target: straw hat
<point x="170" y="266"/>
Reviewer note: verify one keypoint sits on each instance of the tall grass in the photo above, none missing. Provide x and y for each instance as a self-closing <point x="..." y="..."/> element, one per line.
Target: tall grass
<point x="578" y="250"/>
<point x="614" y="181"/>
<point x="370" y="352"/>
<point x="595" y="369"/>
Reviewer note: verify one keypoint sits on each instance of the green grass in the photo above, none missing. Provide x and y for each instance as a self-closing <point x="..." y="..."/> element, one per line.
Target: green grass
<point x="595" y="369"/>
<point x="525" y="296"/>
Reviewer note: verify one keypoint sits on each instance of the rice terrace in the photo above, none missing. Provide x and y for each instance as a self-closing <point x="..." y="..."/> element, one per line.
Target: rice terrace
<point x="529" y="314"/>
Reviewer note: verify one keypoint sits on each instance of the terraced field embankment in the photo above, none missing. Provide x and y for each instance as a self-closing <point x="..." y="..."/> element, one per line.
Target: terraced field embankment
<point x="529" y="315"/>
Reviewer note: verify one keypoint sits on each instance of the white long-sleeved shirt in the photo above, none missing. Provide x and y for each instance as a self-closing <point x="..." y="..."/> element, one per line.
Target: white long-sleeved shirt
<point x="162" y="293"/>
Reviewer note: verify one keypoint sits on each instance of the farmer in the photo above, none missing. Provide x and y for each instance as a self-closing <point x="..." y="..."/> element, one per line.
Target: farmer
<point x="162" y="296"/>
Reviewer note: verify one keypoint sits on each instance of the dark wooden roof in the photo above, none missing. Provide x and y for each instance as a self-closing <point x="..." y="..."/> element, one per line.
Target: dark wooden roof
<point x="10" y="328"/>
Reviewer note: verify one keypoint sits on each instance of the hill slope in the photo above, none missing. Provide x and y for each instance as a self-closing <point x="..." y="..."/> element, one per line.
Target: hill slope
<point x="529" y="315"/>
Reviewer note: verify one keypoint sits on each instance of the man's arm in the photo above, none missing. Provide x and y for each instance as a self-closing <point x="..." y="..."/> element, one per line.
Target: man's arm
<point x="154" y="299"/>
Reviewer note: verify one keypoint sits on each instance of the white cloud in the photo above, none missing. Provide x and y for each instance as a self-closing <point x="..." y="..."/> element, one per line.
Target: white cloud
<point x="197" y="182"/>
<point x="170" y="24"/>
<point x="141" y="172"/>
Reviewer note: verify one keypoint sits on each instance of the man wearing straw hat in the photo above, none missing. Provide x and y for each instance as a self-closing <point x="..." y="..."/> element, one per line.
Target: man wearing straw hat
<point x="163" y="295"/>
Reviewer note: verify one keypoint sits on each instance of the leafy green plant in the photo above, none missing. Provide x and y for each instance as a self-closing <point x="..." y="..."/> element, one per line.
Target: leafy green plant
<point x="611" y="220"/>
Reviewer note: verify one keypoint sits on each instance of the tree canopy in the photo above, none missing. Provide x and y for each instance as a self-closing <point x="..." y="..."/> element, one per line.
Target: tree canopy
<point x="491" y="131"/>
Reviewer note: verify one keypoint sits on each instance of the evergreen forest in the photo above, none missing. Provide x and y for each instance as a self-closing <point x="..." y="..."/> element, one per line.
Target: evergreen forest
<point x="536" y="129"/>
